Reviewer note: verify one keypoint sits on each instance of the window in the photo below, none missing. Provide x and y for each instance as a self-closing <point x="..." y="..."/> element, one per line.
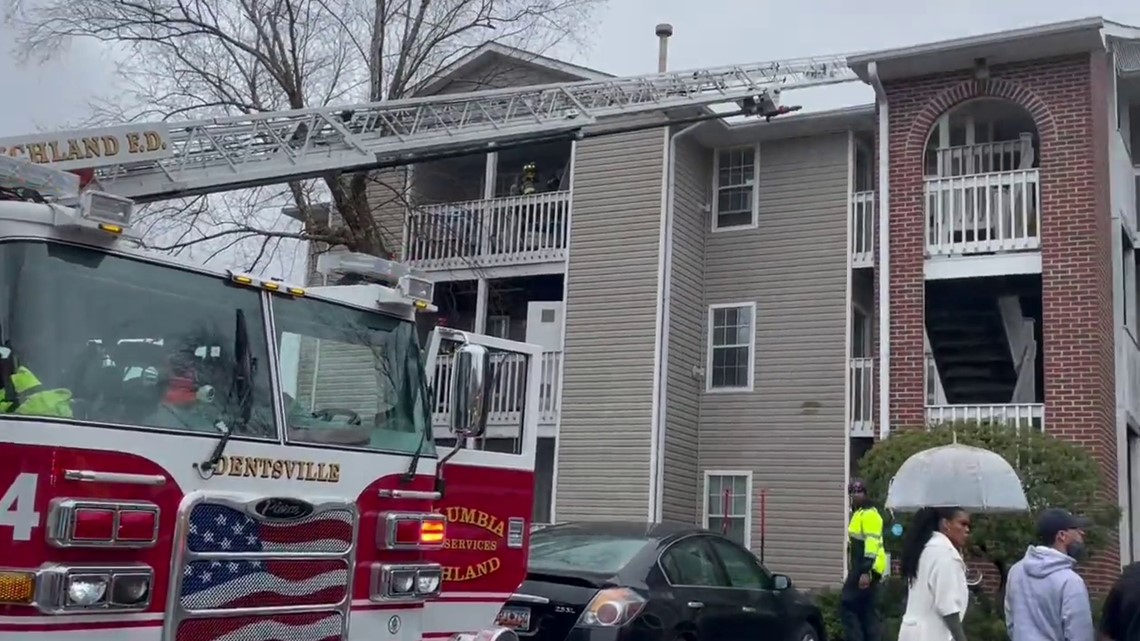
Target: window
<point x="499" y="326"/>
<point x="122" y="341"/>
<point x="735" y="199"/>
<point x="691" y="562"/>
<point x="743" y="569"/>
<point x="732" y="341"/>
<point x="728" y="508"/>
<point x="351" y="378"/>
<point x="568" y="548"/>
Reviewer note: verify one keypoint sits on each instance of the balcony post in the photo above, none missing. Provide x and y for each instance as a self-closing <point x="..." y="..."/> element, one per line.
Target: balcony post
<point x="481" y="293"/>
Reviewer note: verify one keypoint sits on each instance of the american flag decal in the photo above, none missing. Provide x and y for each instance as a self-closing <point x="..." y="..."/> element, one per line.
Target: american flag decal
<point x="218" y="528"/>
<point x="316" y="626"/>
<point x="235" y="563"/>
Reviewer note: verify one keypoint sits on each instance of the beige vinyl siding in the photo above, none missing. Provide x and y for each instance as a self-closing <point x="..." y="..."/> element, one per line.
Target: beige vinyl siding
<point x="790" y="430"/>
<point x="681" y="477"/>
<point x="611" y="319"/>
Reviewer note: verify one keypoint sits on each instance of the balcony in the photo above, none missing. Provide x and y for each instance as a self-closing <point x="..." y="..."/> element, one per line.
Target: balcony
<point x="863" y="229"/>
<point x="508" y="396"/>
<point x="861" y="405"/>
<point x="981" y="202"/>
<point x="1016" y="415"/>
<point x="490" y="232"/>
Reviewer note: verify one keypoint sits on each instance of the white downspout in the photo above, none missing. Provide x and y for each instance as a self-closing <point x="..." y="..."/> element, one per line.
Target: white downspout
<point x="657" y="443"/>
<point x="884" y="252"/>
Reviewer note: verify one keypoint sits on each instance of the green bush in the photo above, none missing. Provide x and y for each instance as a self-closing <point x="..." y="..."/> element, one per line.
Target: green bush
<point x="984" y="621"/>
<point x="1053" y="472"/>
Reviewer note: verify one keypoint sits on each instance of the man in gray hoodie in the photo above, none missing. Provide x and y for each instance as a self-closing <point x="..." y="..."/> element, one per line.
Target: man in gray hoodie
<point x="1045" y="598"/>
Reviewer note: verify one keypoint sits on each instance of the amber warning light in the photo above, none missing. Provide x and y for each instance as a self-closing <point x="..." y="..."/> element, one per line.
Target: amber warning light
<point x="411" y="530"/>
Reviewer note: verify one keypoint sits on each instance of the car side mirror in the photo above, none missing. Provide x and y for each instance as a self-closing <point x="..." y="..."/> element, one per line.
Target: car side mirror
<point x="470" y="391"/>
<point x="781" y="582"/>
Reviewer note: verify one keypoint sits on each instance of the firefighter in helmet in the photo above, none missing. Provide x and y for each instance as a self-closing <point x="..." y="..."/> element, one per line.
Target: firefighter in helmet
<point x="868" y="565"/>
<point x="23" y="393"/>
<point x="529" y="177"/>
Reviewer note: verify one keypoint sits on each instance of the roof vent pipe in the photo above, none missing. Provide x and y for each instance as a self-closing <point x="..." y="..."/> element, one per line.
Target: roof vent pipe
<point x="664" y="30"/>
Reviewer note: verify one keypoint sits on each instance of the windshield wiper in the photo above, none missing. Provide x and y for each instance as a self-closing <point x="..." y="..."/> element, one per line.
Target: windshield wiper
<point x="241" y="388"/>
<point x="410" y="475"/>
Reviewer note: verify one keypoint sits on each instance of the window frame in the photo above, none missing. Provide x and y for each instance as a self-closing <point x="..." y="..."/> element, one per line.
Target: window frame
<point x="766" y="576"/>
<point x="748" y="491"/>
<point x="701" y="539"/>
<point x="175" y="264"/>
<point x="710" y="347"/>
<point x="717" y="188"/>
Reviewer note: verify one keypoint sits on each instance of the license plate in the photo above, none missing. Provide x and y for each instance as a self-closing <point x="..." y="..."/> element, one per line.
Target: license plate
<point x="514" y="618"/>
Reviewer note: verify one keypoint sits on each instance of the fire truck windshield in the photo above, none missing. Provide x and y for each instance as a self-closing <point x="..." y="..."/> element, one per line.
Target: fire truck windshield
<point x="351" y="377"/>
<point x="100" y="338"/>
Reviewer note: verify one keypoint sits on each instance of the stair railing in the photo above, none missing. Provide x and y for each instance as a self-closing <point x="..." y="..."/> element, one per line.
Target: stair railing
<point x="935" y="393"/>
<point x="1025" y="390"/>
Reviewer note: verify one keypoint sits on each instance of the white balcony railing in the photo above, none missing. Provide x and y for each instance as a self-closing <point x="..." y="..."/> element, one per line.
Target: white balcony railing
<point x="986" y="157"/>
<point x="863" y="229"/>
<point x="1021" y="415"/>
<point x="861" y="406"/>
<point x="509" y="394"/>
<point x="481" y="233"/>
<point x="983" y="213"/>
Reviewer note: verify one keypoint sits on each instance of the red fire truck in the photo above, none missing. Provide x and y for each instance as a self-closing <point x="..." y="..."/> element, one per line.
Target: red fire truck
<point x="195" y="454"/>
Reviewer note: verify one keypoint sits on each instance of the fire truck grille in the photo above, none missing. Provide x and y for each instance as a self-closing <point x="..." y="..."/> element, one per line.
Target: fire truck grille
<point x="220" y="528"/>
<point x="266" y="583"/>
<point x="313" y="626"/>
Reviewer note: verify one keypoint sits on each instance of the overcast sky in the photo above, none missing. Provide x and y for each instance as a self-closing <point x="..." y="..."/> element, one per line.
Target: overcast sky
<point x="706" y="33"/>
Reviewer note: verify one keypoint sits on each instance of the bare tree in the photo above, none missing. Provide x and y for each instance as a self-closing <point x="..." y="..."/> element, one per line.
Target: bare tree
<point x="189" y="59"/>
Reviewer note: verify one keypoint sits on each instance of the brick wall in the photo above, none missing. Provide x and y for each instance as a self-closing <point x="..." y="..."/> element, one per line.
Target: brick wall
<point x="1067" y="98"/>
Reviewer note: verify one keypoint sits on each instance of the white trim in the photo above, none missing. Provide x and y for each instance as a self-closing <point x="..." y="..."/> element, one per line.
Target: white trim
<point x="709" y="389"/>
<point x="852" y="305"/>
<point x="443" y="75"/>
<point x="747" y="474"/>
<point x="562" y="345"/>
<point x="947" y="267"/>
<point x="660" y="425"/>
<point x="655" y="445"/>
<point x="495" y="272"/>
<point x="884" y="271"/>
<point x="716" y="188"/>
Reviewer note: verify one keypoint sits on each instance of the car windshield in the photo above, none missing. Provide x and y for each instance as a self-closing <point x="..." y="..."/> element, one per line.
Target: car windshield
<point x="351" y="378"/>
<point x="107" y="339"/>
<point x="557" y="551"/>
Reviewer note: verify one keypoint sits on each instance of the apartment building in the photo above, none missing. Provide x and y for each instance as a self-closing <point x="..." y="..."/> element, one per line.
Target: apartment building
<point x="733" y="312"/>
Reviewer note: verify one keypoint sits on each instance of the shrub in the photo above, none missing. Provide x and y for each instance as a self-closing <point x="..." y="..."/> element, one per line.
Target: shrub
<point x="984" y="620"/>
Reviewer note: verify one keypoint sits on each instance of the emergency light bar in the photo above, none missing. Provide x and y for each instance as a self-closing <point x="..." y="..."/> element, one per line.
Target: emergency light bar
<point x="411" y="283"/>
<point x="50" y="183"/>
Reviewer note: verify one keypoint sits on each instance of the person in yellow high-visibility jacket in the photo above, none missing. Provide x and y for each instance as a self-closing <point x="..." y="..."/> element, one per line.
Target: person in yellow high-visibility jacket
<point x="868" y="565"/>
<point x="22" y="393"/>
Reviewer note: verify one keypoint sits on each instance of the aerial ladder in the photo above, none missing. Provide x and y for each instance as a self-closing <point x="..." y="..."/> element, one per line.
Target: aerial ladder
<point x="171" y="160"/>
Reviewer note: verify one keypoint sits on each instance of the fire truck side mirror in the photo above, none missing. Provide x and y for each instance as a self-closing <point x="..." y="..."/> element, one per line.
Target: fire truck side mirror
<point x="470" y="391"/>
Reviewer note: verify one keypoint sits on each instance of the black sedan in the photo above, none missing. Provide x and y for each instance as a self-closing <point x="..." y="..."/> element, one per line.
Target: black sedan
<point x="611" y="581"/>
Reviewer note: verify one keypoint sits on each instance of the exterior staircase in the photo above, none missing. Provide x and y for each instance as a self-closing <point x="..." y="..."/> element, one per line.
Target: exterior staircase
<point x="981" y="343"/>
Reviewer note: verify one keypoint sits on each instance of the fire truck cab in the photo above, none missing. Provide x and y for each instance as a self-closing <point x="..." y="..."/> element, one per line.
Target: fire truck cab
<point x="193" y="454"/>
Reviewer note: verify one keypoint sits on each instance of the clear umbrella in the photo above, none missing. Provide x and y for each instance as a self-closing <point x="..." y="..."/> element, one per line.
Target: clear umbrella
<point x="956" y="475"/>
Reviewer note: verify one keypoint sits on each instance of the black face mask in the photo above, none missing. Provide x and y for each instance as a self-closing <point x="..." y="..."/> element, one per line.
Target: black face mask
<point x="1076" y="550"/>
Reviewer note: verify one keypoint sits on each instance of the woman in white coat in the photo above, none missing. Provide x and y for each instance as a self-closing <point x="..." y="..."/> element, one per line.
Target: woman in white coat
<point x="936" y="575"/>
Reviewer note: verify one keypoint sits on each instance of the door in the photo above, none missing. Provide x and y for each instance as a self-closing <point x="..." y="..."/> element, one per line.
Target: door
<point x="544" y="324"/>
<point x="702" y="594"/>
<point x="489" y="484"/>
<point x="763" y="608"/>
